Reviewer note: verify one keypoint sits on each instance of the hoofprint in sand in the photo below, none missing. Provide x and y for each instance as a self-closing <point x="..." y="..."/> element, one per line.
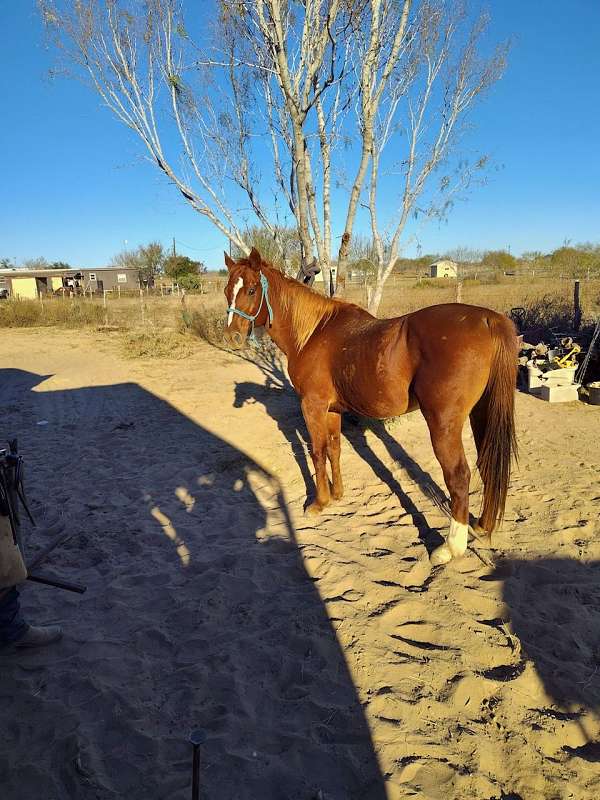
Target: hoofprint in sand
<point x="322" y="656"/>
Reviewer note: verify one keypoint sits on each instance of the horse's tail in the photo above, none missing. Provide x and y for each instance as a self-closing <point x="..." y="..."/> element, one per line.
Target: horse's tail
<point x="494" y="422"/>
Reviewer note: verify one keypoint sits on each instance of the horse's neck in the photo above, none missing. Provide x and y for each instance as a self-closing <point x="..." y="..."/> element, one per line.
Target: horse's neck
<point x="279" y="330"/>
<point x="285" y="295"/>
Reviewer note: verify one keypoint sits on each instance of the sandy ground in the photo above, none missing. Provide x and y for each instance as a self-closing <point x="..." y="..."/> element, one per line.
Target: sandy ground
<point x="324" y="659"/>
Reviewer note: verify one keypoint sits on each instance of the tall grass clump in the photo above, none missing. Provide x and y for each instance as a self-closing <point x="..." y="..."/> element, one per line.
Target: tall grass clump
<point x="153" y="342"/>
<point x="60" y="313"/>
<point x="547" y="313"/>
<point x="207" y="324"/>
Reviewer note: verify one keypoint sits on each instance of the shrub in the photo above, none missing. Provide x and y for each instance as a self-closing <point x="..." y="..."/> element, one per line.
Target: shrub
<point x="207" y="323"/>
<point x="65" y="313"/>
<point x="20" y="314"/>
<point x="431" y="283"/>
<point x="190" y="281"/>
<point x="154" y="343"/>
<point x="546" y="313"/>
<point x="482" y="279"/>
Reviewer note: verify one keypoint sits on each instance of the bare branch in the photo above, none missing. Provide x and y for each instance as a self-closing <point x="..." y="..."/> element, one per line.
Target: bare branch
<point x="254" y="122"/>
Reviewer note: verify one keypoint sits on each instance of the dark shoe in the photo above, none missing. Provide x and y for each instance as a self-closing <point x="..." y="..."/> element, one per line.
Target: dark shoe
<point x="39" y="636"/>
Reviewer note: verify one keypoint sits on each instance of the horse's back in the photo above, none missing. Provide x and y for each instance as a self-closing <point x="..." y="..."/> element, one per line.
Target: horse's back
<point x="456" y="328"/>
<point x="372" y="366"/>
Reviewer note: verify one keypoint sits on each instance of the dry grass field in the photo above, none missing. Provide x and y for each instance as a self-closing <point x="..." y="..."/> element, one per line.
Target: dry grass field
<point x="548" y="302"/>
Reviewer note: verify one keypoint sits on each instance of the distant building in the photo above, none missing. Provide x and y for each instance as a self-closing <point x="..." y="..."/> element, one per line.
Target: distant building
<point x="30" y="284"/>
<point x="320" y="277"/>
<point x="443" y="269"/>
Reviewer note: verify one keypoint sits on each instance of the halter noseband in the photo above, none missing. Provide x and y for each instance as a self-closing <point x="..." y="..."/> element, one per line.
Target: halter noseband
<point x="264" y="299"/>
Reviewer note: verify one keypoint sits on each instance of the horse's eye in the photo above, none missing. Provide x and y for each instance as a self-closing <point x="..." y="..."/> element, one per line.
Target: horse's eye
<point x="252" y="290"/>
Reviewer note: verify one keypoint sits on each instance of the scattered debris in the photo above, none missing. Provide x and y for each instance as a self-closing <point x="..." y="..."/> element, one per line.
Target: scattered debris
<point x="550" y="370"/>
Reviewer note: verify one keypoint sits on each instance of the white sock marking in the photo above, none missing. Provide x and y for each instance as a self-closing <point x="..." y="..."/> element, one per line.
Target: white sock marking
<point x="457" y="538"/>
<point x="238" y="285"/>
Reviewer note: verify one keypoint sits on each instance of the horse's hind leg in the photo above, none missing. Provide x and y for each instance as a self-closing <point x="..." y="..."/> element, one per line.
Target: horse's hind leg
<point x="447" y="444"/>
<point x="334" y="424"/>
<point x="315" y="414"/>
<point x="478" y="419"/>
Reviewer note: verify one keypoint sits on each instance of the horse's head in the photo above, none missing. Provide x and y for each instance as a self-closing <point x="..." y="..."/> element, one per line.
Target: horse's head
<point x="247" y="298"/>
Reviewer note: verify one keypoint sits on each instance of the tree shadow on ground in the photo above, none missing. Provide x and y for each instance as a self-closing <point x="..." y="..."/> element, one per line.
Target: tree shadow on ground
<point x="554" y="606"/>
<point x="199" y="614"/>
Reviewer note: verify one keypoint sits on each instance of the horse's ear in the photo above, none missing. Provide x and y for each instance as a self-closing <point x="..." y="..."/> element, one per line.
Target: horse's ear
<point x="254" y="260"/>
<point x="229" y="262"/>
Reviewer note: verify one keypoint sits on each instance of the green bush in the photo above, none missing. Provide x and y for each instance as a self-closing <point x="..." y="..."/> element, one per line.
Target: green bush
<point x="190" y="281"/>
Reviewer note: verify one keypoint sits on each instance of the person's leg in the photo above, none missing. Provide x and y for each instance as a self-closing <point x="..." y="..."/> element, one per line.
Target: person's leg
<point x="15" y="632"/>
<point x="12" y="625"/>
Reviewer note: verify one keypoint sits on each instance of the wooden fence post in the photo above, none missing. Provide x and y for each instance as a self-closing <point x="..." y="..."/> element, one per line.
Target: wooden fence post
<point x="576" y="307"/>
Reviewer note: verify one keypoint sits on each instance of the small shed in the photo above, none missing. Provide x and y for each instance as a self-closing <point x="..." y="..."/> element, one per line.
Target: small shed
<point x="30" y="284"/>
<point x="443" y="269"/>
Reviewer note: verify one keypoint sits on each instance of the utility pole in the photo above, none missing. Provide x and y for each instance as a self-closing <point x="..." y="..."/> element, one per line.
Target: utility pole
<point x="174" y="253"/>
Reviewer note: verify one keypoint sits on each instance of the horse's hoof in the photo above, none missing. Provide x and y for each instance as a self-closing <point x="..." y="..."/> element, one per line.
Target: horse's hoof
<point x="314" y="509"/>
<point x="337" y="495"/>
<point x="441" y="555"/>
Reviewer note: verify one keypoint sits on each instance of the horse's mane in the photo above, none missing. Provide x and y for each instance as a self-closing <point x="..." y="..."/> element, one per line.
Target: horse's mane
<point x="306" y="308"/>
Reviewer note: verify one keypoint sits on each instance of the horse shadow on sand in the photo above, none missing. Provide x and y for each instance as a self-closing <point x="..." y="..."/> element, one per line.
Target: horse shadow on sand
<point x="554" y="607"/>
<point x="199" y="613"/>
<point x="554" y="603"/>
<point x="281" y="403"/>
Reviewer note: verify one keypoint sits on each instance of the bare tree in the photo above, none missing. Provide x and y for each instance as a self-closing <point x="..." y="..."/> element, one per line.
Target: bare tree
<point x="36" y="263"/>
<point x="279" y="246"/>
<point x="285" y="109"/>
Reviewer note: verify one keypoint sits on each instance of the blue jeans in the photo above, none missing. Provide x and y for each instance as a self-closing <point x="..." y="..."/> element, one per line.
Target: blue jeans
<point x="12" y="624"/>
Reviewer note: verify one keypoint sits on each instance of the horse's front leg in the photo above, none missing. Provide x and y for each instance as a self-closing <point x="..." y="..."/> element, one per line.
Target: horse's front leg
<point x="334" y="422"/>
<point x="315" y="413"/>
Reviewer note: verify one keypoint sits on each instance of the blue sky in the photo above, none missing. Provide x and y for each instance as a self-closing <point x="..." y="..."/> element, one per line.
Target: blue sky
<point x="74" y="186"/>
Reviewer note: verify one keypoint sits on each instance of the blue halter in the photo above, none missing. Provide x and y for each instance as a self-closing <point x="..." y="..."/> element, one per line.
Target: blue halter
<point x="264" y="299"/>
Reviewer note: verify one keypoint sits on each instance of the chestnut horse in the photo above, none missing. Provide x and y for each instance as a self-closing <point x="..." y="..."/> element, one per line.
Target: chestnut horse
<point x="452" y="361"/>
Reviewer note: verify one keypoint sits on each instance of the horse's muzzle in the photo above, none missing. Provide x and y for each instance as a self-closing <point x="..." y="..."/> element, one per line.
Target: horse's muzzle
<point x="233" y="339"/>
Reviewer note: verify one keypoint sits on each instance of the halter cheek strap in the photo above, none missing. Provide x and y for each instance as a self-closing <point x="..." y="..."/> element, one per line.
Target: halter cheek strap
<point x="252" y="319"/>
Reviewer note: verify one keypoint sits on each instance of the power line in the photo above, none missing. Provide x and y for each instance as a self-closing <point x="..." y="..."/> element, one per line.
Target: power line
<point x="197" y="249"/>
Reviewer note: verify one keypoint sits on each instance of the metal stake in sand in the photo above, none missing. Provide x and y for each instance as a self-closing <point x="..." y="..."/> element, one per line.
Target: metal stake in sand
<point x="197" y="738"/>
